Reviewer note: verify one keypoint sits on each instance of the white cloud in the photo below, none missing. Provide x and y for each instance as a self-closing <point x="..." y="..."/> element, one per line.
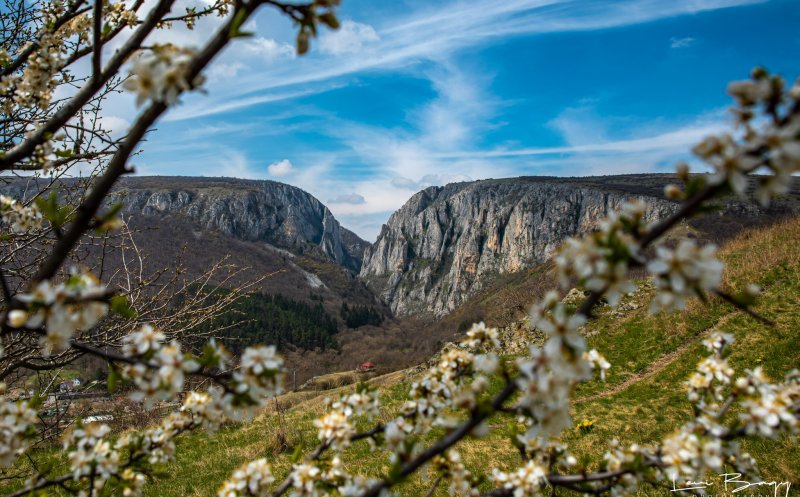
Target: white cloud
<point x="193" y="135"/>
<point x="267" y="49"/>
<point x="402" y="162"/>
<point x="349" y="198"/>
<point x="681" y="42"/>
<point x="580" y="125"/>
<point x="115" y="125"/>
<point x="405" y="183"/>
<point x="664" y="140"/>
<point x="462" y="108"/>
<point x="233" y="164"/>
<point x="281" y="168"/>
<point x="214" y="162"/>
<point x="442" y="140"/>
<point x="351" y="38"/>
<point x="198" y="106"/>
<point x="454" y="120"/>
<point x="429" y="33"/>
<point x="429" y="180"/>
<point x="436" y="32"/>
<point x="221" y="71"/>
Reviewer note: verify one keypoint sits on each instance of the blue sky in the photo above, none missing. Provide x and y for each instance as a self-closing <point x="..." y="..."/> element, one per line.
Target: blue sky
<point x="416" y="93"/>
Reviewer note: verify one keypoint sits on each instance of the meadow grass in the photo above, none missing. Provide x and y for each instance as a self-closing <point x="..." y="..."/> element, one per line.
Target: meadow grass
<point x="642" y="400"/>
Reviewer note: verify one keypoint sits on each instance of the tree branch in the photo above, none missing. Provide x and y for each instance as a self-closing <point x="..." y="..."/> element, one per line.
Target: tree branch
<point x="97" y="39"/>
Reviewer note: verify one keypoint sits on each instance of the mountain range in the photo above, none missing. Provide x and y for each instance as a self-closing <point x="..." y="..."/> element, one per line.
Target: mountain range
<point x="444" y="245"/>
<point x="442" y="248"/>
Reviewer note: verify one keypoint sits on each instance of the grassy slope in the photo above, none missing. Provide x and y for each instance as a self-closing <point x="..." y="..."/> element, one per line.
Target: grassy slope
<point x="642" y="400"/>
<point x="652" y="356"/>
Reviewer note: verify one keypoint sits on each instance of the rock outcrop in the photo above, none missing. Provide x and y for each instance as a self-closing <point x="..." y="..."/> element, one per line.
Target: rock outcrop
<point x="279" y="214"/>
<point x="446" y="243"/>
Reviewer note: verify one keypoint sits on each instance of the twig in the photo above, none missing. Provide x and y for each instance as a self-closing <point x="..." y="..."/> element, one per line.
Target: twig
<point x="744" y="308"/>
<point x="430" y="491"/>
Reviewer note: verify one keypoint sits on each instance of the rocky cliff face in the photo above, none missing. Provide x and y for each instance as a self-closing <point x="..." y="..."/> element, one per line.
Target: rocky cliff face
<point x="281" y="215"/>
<point x="447" y="242"/>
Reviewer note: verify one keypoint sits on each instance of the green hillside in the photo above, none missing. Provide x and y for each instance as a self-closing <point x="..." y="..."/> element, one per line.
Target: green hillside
<point x="642" y="400"/>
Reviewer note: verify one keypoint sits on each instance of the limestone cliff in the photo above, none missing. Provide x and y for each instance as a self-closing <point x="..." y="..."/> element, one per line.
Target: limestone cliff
<point x="447" y="242"/>
<point x="279" y="214"/>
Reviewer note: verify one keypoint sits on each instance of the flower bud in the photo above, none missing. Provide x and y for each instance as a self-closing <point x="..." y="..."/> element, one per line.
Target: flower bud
<point x="752" y="290"/>
<point x="302" y="42"/>
<point x="759" y="73"/>
<point x="742" y="384"/>
<point x="673" y="192"/>
<point x="17" y="318"/>
<point x="682" y="170"/>
<point x="747" y="93"/>
<point x="330" y="20"/>
<point x="709" y="147"/>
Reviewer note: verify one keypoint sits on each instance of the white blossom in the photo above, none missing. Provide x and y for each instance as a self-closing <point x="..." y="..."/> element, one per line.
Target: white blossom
<point x="207" y="408"/>
<point x="686" y="271"/>
<point x="689" y="456"/>
<point x="600" y="260"/>
<point x="21" y="218"/>
<point x="304" y="477"/>
<point x="772" y="409"/>
<point x="480" y="336"/>
<point x="251" y="480"/>
<point x="396" y="432"/>
<point x="598" y="361"/>
<point x="335" y="429"/>
<point x="731" y="164"/>
<point x="717" y="341"/>
<point x="63" y="309"/>
<point x="89" y="451"/>
<point x="260" y="373"/>
<point x="144" y="340"/>
<point x="487" y="363"/>
<point x="161" y="74"/>
<point x="16" y="421"/>
<point x="132" y="483"/>
<point x="162" y="377"/>
<point x="527" y="481"/>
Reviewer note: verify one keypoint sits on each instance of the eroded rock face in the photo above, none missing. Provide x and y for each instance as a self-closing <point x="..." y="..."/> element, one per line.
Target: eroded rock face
<point x="276" y="213"/>
<point x="446" y="243"/>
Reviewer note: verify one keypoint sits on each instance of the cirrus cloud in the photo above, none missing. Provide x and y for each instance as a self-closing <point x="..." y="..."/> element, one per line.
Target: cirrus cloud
<point x="681" y="42"/>
<point x="352" y="37"/>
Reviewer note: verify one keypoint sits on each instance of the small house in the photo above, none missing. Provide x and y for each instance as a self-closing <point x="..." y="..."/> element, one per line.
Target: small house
<point x="365" y="367"/>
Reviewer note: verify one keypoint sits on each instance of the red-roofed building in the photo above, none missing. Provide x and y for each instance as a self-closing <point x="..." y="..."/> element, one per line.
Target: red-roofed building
<point x="366" y="366"/>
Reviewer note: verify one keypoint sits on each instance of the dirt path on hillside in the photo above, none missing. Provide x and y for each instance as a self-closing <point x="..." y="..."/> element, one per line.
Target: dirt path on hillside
<point x="292" y="400"/>
<point x="659" y="364"/>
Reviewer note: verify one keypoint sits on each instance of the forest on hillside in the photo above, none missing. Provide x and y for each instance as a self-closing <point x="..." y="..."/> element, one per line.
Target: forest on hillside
<point x="274" y="319"/>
